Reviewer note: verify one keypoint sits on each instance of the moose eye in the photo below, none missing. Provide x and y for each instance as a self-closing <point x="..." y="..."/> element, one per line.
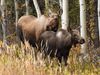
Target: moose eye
<point x="52" y="16"/>
<point x="49" y="28"/>
<point x="75" y="35"/>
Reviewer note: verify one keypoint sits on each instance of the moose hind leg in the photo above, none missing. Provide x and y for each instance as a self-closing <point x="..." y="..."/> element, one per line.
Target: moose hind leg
<point x="20" y="34"/>
<point x="32" y="42"/>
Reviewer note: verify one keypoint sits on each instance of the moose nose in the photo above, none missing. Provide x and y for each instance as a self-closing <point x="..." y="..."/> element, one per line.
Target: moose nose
<point x="82" y="41"/>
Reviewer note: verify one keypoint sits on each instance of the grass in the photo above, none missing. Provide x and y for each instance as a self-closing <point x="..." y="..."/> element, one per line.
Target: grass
<point x="22" y="60"/>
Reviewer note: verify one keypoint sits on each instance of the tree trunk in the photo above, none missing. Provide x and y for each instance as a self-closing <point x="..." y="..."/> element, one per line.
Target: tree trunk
<point x="83" y="24"/>
<point x="92" y="24"/>
<point x="37" y="8"/>
<point x="3" y="21"/>
<point x="27" y="7"/>
<point x="96" y="31"/>
<point x="60" y="3"/>
<point x="99" y="17"/>
<point x="61" y="6"/>
<point x="65" y="18"/>
<point x="16" y="12"/>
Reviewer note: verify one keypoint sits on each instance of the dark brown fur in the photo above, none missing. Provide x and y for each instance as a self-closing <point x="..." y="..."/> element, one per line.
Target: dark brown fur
<point x="59" y="43"/>
<point x="30" y="28"/>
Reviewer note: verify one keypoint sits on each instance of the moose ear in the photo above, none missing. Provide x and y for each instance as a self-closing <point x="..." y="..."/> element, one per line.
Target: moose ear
<point x="69" y="29"/>
<point x="78" y="28"/>
<point x="60" y="11"/>
<point x="49" y="13"/>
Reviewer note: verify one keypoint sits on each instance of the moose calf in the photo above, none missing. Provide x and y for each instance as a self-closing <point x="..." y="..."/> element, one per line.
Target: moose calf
<point x="58" y="44"/>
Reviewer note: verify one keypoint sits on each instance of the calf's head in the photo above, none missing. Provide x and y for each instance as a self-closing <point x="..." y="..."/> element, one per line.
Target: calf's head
<point x="76" y="37"/>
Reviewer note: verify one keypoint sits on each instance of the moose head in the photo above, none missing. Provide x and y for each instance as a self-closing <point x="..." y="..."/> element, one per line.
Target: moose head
<point x="53" y="20"/>
<point x="76" y="37"/>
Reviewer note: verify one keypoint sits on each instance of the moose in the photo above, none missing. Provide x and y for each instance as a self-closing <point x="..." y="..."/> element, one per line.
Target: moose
<point x="58" y="44"/>
<point x="29" y="27"/>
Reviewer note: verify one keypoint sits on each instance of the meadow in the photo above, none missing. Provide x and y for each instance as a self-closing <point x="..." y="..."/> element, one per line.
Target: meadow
<point x="18" y="59"/>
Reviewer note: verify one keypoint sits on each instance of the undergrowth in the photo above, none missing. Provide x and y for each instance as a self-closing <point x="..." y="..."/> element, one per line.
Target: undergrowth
<point x="22" y="60"/>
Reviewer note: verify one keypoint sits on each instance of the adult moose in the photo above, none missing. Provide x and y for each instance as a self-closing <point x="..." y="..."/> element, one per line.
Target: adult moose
<point x="58" y="44"/>
<point x="30" y="27"/>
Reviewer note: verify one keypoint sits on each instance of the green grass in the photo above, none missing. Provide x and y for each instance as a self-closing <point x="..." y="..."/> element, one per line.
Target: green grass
<point x="16" y="60"/>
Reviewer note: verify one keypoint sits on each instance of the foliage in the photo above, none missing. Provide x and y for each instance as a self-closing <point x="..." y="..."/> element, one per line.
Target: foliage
<point x="74" y="14"/>
<point x="22" y="60"/>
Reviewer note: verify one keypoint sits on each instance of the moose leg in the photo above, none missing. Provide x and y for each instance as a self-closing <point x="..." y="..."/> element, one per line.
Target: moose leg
<point x="65" y="60"/>
<point x="20" y="34"/>
<point x="32" y="42"/>
<point x="65" y="56"/>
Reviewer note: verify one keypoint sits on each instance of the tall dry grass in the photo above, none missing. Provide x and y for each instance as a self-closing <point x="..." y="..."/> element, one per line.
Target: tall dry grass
<point x="25" y="60"/>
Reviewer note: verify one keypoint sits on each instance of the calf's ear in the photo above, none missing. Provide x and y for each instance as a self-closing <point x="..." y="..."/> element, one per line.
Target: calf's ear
<point x="69" y="29"/>
<point x="49" y="13"/>
<point x="60" y="11"/>
<point x="78" y="28"/>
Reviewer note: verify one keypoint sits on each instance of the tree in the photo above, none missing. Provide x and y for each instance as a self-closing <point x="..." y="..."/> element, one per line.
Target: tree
<point x="16" y="12"/>
<point x="64" y="17"/>
<point x="61" y="6"/>
<point x="74" y="13"/>
<point x="99" y="17"/>
<point x="27" y="7"/>
<point x="96" y="31"/>
<point x="46" y="5"/>
<point x="3" y="21"/>
<point x="37" y="8"/>
<point x="83" y="24"/>
<point x="92" y="23"/>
